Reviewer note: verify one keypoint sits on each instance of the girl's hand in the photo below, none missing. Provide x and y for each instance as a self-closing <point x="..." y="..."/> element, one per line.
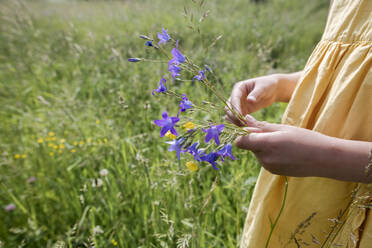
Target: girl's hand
<point x="251" y="95"/>
<point x="257" y="93"/>
<point x="299" y="152"/>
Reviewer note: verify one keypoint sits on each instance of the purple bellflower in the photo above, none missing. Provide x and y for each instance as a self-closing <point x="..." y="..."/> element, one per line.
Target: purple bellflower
<point x="185" y="103"/>
<point x="176" y="145"/>
<point x="161" y="87"/>
<point x="163" y="37"/>
<point x="197" y="153"/>
<point x="167" y="124"/>
<point x="173" y="64"/>
<point x="174" y="69"/>
<point x="149" y="43"/>
<point x="208" y="68"/>
<point x="178" y="57"/>
<point x="226" y="152"/>
<point x="213" y="132"/>
<point x="211" y="158"/>
<point x="200" y="76"/>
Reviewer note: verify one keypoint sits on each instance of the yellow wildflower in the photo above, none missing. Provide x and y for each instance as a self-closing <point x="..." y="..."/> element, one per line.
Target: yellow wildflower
<point x="55" y="147"/>
<point x="62" y="141"/>
<point x="99" y="142"/>
<point x="48" y="138"/>
<point x="81" y="142"/>
<point x="53" y="138"/>
<point x="170" y="135"/>
<point x="105" y="140"/>
<point x="89" y="140"/>
<point x="17" y="156"/>
<point x="40" y="140"/>
<point x="24" y="156"/>
<point x="114" y="243"/>
<point x="50" y="144"/>
<point x="59" y="151"/>
<point x="189" y="125"/>
<point x="51" y="154"/>
<point x="98" y="122"/>
<point x="73" y="150"/>
<point x="51" y="134"/>
<point x="192" y="166"/>
<point x="61" y="146"/>
<point x="75" y="143"/>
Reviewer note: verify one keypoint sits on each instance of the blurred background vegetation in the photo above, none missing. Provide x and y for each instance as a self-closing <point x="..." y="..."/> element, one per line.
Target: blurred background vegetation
<point x="81" y="163"/>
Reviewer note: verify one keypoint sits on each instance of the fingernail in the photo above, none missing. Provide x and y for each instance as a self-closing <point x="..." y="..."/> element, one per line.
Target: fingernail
<point x="238" y="141"/>
<point x="252" y="98"/>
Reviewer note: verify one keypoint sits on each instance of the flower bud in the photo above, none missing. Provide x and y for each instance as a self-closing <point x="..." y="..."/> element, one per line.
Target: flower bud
<point x="144" y="37"/>
<point x="149" y="43"/>
<point x="10" y="207"/>
<point x="134" y="59"/>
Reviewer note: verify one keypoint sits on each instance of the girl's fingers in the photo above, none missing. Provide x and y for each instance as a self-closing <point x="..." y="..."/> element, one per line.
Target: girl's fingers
<point x="263" y="126"/>
<point x="230" y="116"/>
<point x="252" y="141"/>
<point x="253" y="99"/>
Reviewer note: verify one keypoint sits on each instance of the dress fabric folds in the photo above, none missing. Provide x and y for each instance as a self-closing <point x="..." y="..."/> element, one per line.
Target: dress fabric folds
<point x="333" y="97"/>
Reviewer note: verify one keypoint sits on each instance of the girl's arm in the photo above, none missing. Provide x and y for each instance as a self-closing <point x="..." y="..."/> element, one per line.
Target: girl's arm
<point x="299" y="152"/>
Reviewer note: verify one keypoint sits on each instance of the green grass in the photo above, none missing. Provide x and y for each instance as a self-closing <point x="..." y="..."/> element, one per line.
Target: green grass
<point x="63" y="69"/>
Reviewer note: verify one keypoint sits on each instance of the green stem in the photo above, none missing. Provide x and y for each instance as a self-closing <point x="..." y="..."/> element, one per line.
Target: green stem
<point x="211" y="87"/>
<point x="273" y="225"/>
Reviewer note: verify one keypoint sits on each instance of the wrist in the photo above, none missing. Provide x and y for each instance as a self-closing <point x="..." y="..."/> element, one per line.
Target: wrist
<point x="286" y="83"/>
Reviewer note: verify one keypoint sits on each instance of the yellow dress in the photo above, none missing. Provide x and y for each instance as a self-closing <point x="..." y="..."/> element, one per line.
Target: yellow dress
<point x="333" y="97"/>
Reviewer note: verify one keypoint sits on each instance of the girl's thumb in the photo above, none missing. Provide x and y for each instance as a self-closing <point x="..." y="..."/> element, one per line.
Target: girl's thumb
<point x="254" y="95"/>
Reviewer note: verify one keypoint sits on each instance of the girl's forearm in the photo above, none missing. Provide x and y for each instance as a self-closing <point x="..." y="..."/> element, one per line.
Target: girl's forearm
<point x="345" y="160"/>
<point x="286" y="85"/>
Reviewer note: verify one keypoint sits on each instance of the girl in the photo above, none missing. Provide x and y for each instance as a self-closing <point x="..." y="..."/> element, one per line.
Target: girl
<point x="323" y="145"/>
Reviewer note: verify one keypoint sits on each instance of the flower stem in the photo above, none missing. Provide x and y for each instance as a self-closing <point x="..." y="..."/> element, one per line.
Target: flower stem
<point x="213" y="89"/>
<point x="273" y="225"/>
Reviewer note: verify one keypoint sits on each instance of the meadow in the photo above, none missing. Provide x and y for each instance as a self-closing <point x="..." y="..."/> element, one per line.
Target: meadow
<point x="81" y="162"/>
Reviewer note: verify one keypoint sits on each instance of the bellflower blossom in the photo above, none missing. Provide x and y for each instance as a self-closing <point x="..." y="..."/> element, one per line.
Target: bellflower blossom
<point x="226" y="151"/>
<point x="197" y="153"/>
<point x="213" y="132"/>
<point x="173" y="64"/>
<point x="185" y="103"/>
<point x="163" y="37"/>
<point x="174" y="69"/>
<point x="178" y="57"/>
<point x="149" y="43"/>
<point x="167" y="124"/>
<point x="200" y="76"/>
<point x="211" y="158"/>
<point x="176" y="145"/>
<point x="161" y="87"/>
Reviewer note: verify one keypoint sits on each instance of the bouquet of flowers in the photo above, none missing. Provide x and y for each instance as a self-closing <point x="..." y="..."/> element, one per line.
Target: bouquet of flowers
<point x="205" y="141"/>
